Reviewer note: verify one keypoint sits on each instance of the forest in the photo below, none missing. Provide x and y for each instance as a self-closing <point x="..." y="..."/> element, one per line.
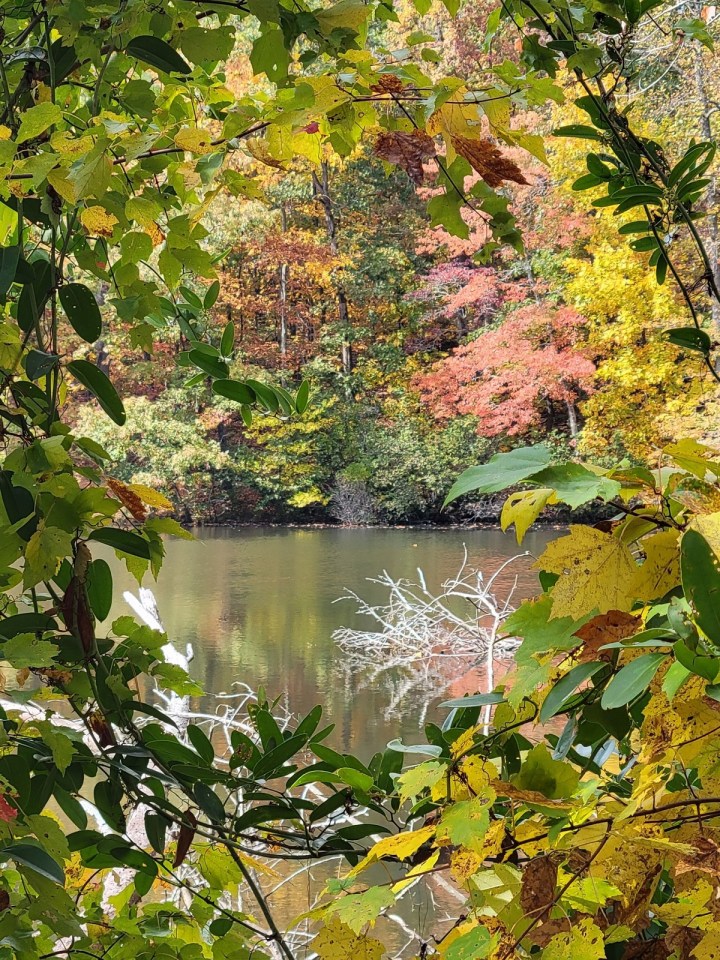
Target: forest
<point x="360" y="263"/>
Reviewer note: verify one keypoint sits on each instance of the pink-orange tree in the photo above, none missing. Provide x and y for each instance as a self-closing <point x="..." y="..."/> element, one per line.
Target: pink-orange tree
<point x="528" y="373"/>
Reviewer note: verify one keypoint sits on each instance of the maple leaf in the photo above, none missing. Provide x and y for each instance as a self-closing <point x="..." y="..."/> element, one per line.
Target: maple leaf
<point x="336" y="941"/>
<point x="98" y="222"/>
<point x="489" y="161"/>
<point x="595" y="571"/>
<point x="660" y="571"/>
<point x="605" y="628"/>
<point x="539" y="880"/>
<point x="406" y="150"/>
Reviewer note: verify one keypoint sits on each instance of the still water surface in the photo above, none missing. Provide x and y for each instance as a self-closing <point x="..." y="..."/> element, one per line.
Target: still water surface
<point x="257" y="604"/>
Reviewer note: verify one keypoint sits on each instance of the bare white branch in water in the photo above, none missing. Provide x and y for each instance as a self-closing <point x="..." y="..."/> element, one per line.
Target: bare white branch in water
<point x="419" y="641"/>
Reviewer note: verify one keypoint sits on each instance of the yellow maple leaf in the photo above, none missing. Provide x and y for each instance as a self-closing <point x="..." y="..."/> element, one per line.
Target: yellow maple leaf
<point x="661" y="570"/>
<point x="595" y="572"/>
<point x="98" y="221"/>
<point x="336" y="941"/>
<point x="194" y="140"/>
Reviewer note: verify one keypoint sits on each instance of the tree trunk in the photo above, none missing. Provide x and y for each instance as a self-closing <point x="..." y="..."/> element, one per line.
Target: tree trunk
<point x="572" y="418"/>
<point x="284" y="270"/>
<point x="321" y="192"/>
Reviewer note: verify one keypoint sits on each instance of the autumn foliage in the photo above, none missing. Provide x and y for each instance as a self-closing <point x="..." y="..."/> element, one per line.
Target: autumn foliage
<point x="519" y="377"/>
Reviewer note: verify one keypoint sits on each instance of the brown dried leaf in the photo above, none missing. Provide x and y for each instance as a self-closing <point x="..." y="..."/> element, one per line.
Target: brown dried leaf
<point x="101" y="728"/>
<point x="487" y="160"/>
<point x="407" y="150"/>
<point x="128" y="498"/>
<point x="648" y="950"/>
<point x="185" y="838"/>
<point x="537" y="892"/>
<point x="606" y="628"/>
<point x="388" y="83"/>
<point x="705" y="859"/>
<point x="543" y="934"/>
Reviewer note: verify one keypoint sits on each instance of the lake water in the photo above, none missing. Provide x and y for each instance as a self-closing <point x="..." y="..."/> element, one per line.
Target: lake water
<point x="257" y="604"/>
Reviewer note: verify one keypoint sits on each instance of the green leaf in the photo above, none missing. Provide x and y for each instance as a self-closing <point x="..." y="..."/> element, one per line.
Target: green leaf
<point x="502" y="471"/>
<point x="25" y="650"/>
<point x="157" y="53"/>
<point x="80" y="305"/>
<point x="577" y="130"/>
<point x="100" y="588"/>
<point x="37" y="120"/>
<point x="26" y="623"/>
<point x="302" y="398"/>
<point x="632" y="680"/>
<point x="39" y="364"/>
<point x="690" y="338"/>
<point x="700" y="574"/>
<point x="28" y="855"/>
<point x="45" y="549"/>
<point x="9" y="257"/>
<point x="473" y="945"/>
<point x="94" y="380"/>
<point x="234" y="390"/>
<point x="122" y="540"/>
<point x="212" y="366"/>
<point x="703" y="666"/>
<point x="575" y="484"/>
<point x="566" y="687"/>
<point x="228" y="339"/>
<point x="553" y="778"/>
<point x="269" y="55"/>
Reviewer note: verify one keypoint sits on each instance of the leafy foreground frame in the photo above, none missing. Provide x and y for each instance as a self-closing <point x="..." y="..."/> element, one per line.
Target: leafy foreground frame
<point x="117" y="130"/>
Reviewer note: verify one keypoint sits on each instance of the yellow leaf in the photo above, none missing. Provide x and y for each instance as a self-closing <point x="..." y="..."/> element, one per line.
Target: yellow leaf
<point x="151" y="497"/>
<point x="709" y="947"/>
<point x="709" y="528"/>
<point x="595" y="570"/>
<point x="584" y="941"/>
<point x="694" y="457"/>
<point x="336" y="941"/>
<point x="417" y="871"/>
<point x="194" y="140"/>
<point x="465" y="742"/>
<point x="523" y="509"/>
<point x="59" y="181"/>
<point x="98" y="222"/>
<point x="401" y="846"/>
<point x="661" y="570"/>
<point x="346" y="14"/>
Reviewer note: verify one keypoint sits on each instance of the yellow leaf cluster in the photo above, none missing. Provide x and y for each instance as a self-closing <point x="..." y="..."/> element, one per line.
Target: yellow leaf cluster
<point x="98" y="221"/>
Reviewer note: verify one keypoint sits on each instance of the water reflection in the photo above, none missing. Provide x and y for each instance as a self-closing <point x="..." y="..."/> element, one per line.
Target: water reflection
<point x="257" y="604"/>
